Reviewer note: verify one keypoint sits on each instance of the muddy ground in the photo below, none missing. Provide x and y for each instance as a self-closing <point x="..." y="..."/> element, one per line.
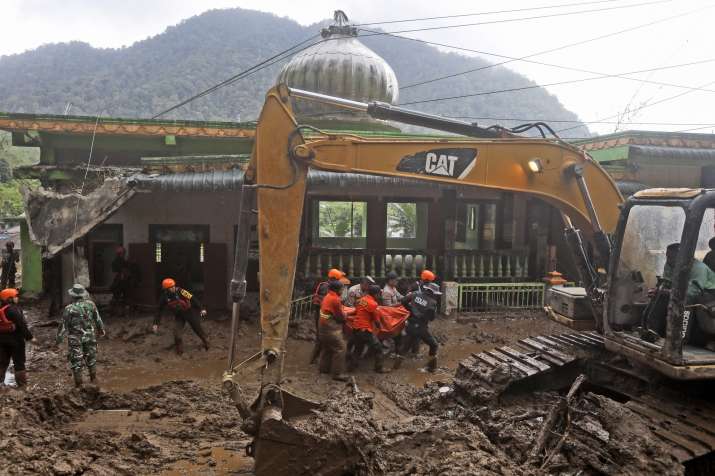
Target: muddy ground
<point x="158" y="413"/>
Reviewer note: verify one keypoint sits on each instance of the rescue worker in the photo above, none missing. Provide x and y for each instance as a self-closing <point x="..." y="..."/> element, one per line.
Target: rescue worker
<point x="320" y="291"/>
<point x="701" y="276"/>
<point x="709" y="259"/>
<point x="13" y="335"/>
<point x="422" y="305"/>
<point x="390" y="295"/>
<point x="700" y="279"/>
<point x="426" y="276"/>
<point x="81" y="322"/>
<point x="364" y="327"/>
<point x="358" y="291"/>
<point x="10" y="257"/>
<point x="180" y="302"/>
<point x="330" y="332"/>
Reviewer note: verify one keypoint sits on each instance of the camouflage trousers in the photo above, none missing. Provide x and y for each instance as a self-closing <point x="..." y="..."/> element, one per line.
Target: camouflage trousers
<point x="82" y="353"/>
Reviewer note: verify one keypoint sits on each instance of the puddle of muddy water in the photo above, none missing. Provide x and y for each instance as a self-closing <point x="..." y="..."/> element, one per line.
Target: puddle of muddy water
<point x="462" y="339"/>
<point x="217" y="461"/>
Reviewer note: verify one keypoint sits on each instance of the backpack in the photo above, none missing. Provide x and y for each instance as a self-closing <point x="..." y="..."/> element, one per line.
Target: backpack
<point x="6" y="325"/>
<point x="181" y="301"/>
<point x="320" y="291"/>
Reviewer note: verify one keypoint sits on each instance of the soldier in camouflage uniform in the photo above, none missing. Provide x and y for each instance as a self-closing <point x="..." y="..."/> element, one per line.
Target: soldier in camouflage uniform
<point x="81" y="322"/>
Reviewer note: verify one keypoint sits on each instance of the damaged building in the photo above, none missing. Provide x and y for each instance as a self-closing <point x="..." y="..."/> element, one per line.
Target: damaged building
<point x="166" y="191"/>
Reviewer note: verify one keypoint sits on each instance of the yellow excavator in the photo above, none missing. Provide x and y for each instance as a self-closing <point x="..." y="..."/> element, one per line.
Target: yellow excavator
<point x="619" y="247"/>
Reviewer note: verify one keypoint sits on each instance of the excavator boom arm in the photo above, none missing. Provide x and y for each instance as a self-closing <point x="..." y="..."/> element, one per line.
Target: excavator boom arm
<point x="283" y="152"/>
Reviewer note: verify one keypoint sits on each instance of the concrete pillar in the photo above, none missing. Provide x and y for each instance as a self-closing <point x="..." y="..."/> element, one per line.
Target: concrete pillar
<point x="31" y="258"/>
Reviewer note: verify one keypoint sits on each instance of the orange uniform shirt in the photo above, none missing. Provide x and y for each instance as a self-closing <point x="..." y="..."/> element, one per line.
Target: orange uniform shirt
<point x="330" y="307"/>
<point x="365" y="314"/>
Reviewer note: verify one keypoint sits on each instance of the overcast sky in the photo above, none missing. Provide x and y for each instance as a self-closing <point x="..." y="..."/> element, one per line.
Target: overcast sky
<point x="26" y="24"/>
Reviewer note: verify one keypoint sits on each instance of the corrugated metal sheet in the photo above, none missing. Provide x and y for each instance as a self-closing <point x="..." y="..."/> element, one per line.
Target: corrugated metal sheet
<point x="212" y="181"/>
<point x="218" y="181"/>
<point x="675" y="153"/>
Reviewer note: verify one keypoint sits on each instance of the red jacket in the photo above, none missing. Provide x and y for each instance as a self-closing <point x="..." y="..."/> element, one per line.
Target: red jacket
<point x="365" y="314"/>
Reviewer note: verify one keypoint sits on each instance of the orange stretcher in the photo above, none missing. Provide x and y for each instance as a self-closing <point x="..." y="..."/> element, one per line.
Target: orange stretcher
<point x="392" y="320"/>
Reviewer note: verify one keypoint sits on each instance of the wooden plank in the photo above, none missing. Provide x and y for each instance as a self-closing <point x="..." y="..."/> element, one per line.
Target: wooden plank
<point x="528" y="370"/>
<point x="523" y="358"/>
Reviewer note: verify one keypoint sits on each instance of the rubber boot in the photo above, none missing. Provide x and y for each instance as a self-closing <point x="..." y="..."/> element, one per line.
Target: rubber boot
<point x="398" y="362"/>
<point x="432" y="364"/>
<point x="21" y="378"/>
<point x="77" y="378"/>
<point x="379" y="364"/>
<point x="179" y="346"/>
<point x="316" y="353"/>
<point x="341" y="378"/>
<point x="206" y="343"/>
<point x="93" y="375"/>
<point x="352" y="362"/>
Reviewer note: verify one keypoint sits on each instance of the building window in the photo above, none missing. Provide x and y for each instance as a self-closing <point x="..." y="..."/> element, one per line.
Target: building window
<point x="157" y="252"/>
<point x="339" y="224"/>
<point x="407" y="225"/>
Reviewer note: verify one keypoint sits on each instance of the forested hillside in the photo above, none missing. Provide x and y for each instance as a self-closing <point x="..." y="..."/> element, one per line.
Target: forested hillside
<point x="153" y="74"/>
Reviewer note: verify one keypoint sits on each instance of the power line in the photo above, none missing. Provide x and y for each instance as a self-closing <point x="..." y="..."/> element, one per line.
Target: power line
<point x="515" y="10"/>
<point x="574" y="121"/>
<point x="253" y="69"/>
<point x="511" y="59"/>
<point x="644" y="106"/>
<point x="510" y="20"/>
<point x="288" y="52"/>
<point x="525" y="58"/>
<point x="572" y="81"/>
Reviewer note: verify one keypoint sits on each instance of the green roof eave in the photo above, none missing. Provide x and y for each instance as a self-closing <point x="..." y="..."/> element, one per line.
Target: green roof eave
<point x="128" y="121"/>
<point x="610" y="155"/>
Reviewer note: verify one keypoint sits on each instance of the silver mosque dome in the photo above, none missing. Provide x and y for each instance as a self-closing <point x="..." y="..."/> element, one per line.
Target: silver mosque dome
<point x="339" y="65"/>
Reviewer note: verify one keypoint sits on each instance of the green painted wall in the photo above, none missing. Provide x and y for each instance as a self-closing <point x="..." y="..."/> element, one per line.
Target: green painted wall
<point x="31" y="263"/>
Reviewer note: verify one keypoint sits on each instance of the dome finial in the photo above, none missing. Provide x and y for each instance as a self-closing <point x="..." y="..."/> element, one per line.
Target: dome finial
<point x="341" y="19"/>
<point x="340" y="27"/>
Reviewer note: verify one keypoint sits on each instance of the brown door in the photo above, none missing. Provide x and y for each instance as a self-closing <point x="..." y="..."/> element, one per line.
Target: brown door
<point x="215" y="276"/>
<point x="146" y="291"/>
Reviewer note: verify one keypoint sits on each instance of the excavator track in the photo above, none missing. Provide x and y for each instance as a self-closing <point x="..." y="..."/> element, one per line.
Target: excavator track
<point x="485" y="376"/>
<point x="682" y="422"/>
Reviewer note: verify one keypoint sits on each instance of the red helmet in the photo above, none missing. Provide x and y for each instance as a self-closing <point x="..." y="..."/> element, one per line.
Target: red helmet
<point x="168" y="283"/>
<point x="9" y="293"/>
<point x="427" y="276"/>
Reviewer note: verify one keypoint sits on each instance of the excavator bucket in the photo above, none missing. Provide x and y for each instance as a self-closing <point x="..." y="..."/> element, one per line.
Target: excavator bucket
<point x="286" y="445"/>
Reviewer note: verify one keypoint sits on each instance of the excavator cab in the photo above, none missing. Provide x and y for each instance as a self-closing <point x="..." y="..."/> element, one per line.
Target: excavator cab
<point x="660" y="303"/>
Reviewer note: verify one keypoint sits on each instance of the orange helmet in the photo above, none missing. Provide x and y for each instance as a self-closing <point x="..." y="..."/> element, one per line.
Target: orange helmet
<point x="335" y="274"/>
<point x="427" y="275"/>
<point x="168" y="283"/>
<point x="9" y="293"/>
